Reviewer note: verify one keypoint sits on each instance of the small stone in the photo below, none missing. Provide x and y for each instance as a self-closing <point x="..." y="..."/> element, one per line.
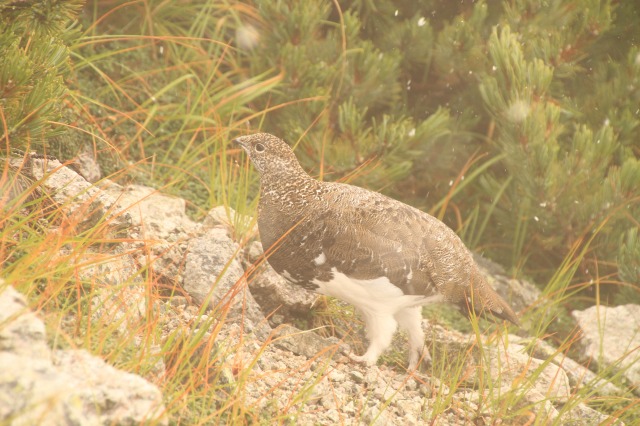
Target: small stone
<point x="349" y="408"/>
<point x="372" y="376"/>
<point x="254" y="251"/>
<point x="276" y="319"/>
<point x="178" y="301"/>
<point x="384" y="393"/>
<point x="585" y="415"/>
<point x="374" y="417"/>
<point x="327" y="401"/>
<point x="333" y="415"/>
<point x="337" y="376"/>
<point x="409" y="410"/>
<point x="411" y="385"/>
<point x="356" y="376"/>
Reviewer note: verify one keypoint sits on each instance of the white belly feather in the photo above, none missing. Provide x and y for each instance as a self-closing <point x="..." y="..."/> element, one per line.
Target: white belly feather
<point x="375" y="296"/>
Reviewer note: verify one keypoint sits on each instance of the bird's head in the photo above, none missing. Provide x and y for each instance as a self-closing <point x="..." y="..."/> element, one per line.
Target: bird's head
<point x="270" y="155"/>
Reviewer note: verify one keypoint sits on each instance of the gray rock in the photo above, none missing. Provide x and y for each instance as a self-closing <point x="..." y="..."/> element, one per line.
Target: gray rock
<point x="306" y="343"/>
<point x="579" y="376"/>
<point x="333" y="415"/>
<point x="548" y="379"/>
<point x="582" y="414"/>
<point x="356" y="376"/>
<point x="277" y="296"/>
<point x="159" y="228"/>
<point x="546" y="412"/>
<point x="337" y="376"/>
<point x="68" y="387"/>
<point x="611" y="338"/>
<point x="86" y="164"/>
<point x="514" y="365"/>
<point x="410" y="410"/>
<point x="254" y="252"/>
<point x="213" y="276"/>
<point x="510" y="364"/>
<point x="156" y="216"/>
<point x="85" y="204"/>
<point x="124" y="305"/>
<point x="349" y="408"/>
<point x="377" y="417"/>
<point x="21" y="331"/>
<point x="119" y="296"/>
<point x="274" y="294"/>
<point x="226" y="217"/>
<point x="103" y="269"/>
<point x="111" y="395"/>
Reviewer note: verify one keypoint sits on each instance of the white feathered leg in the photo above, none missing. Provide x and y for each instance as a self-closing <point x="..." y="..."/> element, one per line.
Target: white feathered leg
<point x="410" y="319"/>
<point x="379" y="329"/>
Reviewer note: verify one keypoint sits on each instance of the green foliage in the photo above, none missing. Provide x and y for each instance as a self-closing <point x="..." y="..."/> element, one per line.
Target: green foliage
<point x="568" y="170"/>
<point x="352" y="91"/>
<point x="166" y="95"/>
<point x="629" y="267"/>
<point x="404" y="91"/>
<point x="33" y="63"/>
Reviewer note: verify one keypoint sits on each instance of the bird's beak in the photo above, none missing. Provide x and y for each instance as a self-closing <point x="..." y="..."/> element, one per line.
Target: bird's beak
<point x="240" y="141"/>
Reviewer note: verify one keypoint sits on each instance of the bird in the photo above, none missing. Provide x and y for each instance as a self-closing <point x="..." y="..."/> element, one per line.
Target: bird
<point x="384" y="257"/>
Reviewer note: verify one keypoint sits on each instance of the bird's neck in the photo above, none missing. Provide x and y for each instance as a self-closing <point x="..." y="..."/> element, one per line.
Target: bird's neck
<point x="284" y="202"/>
<point x="288" y="190"/>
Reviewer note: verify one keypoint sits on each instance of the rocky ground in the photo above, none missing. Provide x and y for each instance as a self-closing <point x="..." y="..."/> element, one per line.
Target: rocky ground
<point x="296" y="374"/>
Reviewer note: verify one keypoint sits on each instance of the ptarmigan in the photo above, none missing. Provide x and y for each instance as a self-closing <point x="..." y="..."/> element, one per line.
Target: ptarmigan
<point x="384" y="257"/>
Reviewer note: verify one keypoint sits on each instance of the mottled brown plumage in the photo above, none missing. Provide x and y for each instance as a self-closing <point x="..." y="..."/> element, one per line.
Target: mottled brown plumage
<point x="383" y="256"/>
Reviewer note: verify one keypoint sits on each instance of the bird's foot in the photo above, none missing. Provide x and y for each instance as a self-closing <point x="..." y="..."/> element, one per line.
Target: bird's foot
<point x="365" y="359"/>
<point x="419" y="358"/>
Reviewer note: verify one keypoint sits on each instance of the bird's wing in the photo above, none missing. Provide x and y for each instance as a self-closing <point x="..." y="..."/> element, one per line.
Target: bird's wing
<point x="418" y="253"/>
<point x="380" y="236"/>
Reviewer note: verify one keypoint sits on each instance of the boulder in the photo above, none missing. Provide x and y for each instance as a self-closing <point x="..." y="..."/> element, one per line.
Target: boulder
<point x="281" y="301"/>
<point x="611" y="339"/>
<point x="214" y="277"/>
<point x="156" y="216"/>
<point x="86" y="205"/>
<point x="63" y="387"/>
<point x="159" y="229"/>
<point x="578" y="375"/>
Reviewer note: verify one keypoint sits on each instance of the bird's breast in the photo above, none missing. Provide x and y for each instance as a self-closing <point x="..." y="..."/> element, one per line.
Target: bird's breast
<point x="293" y="247"/>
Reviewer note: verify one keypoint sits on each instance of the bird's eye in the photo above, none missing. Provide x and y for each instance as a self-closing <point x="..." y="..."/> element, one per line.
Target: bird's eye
<point x="259" y="147"/>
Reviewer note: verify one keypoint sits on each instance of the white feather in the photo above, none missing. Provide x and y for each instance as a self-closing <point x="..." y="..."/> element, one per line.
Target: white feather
<point x="383" y="307"/>
<point x="320" y="259"/>
<point x="376" y="295"/>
